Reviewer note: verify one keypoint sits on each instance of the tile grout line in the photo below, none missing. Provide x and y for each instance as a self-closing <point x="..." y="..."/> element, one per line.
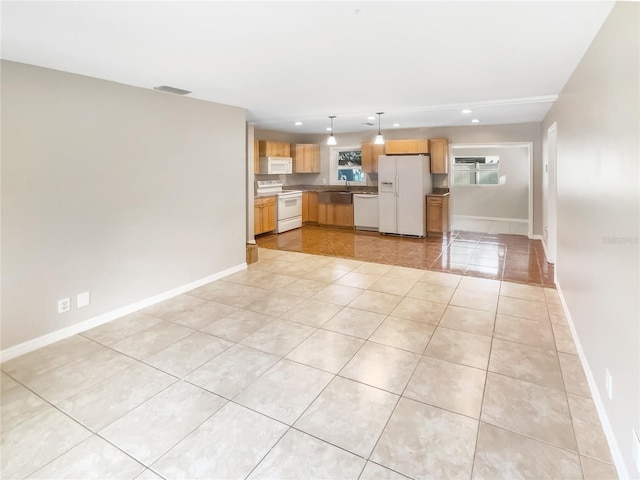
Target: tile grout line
<point x="484" y="392"/>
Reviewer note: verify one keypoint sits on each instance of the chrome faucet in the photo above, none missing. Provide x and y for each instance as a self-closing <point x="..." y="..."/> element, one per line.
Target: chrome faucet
<point x="346" y="182"/>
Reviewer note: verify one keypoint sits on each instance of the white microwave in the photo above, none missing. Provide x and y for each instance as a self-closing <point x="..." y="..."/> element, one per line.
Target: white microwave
<point x="275" y="165"/>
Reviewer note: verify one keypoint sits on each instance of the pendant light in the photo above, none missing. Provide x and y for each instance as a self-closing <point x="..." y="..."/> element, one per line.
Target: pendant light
<point x="379" y="138"/>
<point x="332" y="139"/>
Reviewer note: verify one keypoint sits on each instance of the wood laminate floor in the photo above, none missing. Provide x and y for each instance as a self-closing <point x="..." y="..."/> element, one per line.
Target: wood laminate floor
<point x="513" y="258"/>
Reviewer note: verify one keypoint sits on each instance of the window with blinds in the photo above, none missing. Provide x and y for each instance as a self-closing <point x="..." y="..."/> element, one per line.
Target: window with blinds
<point x="476" y="170"/>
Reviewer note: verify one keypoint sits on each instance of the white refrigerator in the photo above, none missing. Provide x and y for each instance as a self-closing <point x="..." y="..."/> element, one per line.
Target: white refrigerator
<point x="404" y="181"/>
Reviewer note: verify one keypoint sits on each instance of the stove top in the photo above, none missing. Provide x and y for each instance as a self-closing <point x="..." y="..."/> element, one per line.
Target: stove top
<point x="264" y="187"/>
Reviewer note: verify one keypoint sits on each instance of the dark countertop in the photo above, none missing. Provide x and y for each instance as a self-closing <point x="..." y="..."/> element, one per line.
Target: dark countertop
<point x="324" y="188"/>
<point x="439" y="192"/>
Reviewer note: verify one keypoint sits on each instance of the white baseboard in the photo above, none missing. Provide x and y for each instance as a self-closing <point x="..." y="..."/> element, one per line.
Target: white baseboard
<point x="616" y="454"/>
<point x="544" y="246"/>
<point x="492" y="219"/>
<point x="48" y="339"/>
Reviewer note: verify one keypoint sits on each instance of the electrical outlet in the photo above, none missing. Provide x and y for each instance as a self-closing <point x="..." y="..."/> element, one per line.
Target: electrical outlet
<point x="608" y="383"/>
<point x="64" y="305"/>
<point x="84" y="299"/>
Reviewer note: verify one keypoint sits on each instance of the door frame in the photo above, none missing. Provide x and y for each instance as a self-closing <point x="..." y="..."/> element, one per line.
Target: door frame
<point x="527" y="145"/>
<point x="550" y="194"/>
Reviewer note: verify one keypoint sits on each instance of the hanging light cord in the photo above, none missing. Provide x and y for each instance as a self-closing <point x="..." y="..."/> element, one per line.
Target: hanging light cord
<point x="379" y="139"/>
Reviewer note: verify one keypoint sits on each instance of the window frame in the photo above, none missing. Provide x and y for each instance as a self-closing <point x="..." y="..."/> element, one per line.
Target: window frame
<point x="333" y="155"/>
<point x="477" y="171"/>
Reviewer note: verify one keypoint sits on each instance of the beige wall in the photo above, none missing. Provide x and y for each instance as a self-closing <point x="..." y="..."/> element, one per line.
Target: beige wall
<point x="121" y="191"/>
<point x="597" y="116"/>
<point x="509" y="200"/>
<point x="480" y="134"/>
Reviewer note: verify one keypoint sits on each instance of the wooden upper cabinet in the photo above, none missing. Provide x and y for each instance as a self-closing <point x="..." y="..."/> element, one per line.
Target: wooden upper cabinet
<point x="439" y="155"/>
<point x="370" y="153"/>
<point x="306" y="157"/>
<point x="269" y="148"/>
<point x="407" y="147"/>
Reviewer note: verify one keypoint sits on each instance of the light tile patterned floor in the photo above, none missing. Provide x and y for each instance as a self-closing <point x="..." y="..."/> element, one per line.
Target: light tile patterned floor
<point x="306" y="366"/>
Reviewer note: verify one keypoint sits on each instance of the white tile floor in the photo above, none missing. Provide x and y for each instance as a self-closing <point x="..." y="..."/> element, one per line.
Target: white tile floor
<point x="312" y="367"/>
<point x="469" y="224"/>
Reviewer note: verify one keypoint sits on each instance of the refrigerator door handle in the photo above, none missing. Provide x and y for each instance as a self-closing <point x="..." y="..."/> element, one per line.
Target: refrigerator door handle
<point x="397" y="185"/>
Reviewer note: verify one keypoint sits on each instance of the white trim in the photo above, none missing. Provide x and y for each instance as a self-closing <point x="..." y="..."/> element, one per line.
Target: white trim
<point x="333" y="164"/>
<point x="546" y="256"/>
<point x="528" y="145"/>
<point x="48" y="339"/>
<point x="493" y="219"/>
<point x="550" y="194"/>
<point x="616" y="454"/>
<point x="544" y="247"/>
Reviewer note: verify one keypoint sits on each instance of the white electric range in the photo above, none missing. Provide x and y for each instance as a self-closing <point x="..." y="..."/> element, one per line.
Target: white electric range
<point x="288" y="204"/>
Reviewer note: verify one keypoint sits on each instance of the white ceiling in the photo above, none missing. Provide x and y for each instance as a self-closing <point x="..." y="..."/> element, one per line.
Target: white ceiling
<point x="419" y="62"/>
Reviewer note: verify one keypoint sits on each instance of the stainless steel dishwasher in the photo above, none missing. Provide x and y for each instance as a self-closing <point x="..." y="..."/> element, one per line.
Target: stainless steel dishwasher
<point x="365" y="211"/>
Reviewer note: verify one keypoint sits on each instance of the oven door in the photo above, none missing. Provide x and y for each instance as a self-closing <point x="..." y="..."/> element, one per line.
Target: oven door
<point x="289" y="205"/>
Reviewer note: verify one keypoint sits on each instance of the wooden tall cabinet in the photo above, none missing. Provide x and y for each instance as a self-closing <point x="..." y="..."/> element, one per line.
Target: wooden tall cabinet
<point x="407" y="147"/>
<point x="437" y="214"/>
<point x="264" y="214"/>
<point x="439" y="149"/>
<point x="370" y="153"/>
<point x="306" y="157"/>
<point x="269" y="148"/>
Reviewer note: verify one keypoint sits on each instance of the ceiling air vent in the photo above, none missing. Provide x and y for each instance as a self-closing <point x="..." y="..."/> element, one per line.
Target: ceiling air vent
<point x="368" y="124"/>
<point x="177" y="91"/>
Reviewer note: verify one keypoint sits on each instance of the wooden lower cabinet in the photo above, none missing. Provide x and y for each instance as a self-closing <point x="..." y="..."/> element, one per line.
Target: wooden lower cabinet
<point x="305" y="207"/>
<point x="309" y="207"/>
<point x="313" y="207"/>
<point x="437" y="214"/>
<point x="335" y="214"/>
<point x="264" y="215"/>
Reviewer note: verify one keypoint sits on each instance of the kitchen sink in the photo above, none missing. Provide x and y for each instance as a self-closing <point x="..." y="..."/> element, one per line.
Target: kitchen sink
<point x="335" y="196"/>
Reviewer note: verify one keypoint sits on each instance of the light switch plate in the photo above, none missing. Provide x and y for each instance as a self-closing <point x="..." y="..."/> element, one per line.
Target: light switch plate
<point x="84" y="299"/>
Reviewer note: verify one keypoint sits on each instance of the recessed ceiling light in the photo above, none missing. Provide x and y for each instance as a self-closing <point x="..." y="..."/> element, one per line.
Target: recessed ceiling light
<point x="467" y="110"/>
<point x="177" y="91"/>
<point x="475" y="120"/>
<point x="396" y="124"/>
<point x="298" y="123"/>
<point x="328" y="129"/>
<point x="371" y="118"/>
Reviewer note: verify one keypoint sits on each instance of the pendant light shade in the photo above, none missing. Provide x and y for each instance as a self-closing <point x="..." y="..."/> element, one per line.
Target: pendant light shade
<point x="332" y="139"/>
<point x="379" y="138"/>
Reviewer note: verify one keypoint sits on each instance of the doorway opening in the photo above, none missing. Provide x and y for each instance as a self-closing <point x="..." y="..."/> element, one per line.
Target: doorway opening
<point x="490" y="187"/>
